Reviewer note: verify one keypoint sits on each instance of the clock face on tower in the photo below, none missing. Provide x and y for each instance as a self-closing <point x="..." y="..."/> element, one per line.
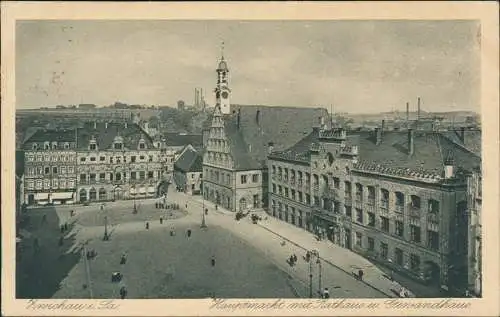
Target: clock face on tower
<point x="224" y="94"/>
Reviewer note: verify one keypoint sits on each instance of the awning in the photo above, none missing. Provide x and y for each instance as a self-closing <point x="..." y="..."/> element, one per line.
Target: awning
<point x="41" y="196"/>
<point x="142" y="190"/>
<point x="151" y="189"/>
<point x="66" y="195"/>
<point x="132" y="191"/>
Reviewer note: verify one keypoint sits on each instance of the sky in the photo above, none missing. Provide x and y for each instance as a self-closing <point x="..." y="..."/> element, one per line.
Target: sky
<point x="352" y="66"/>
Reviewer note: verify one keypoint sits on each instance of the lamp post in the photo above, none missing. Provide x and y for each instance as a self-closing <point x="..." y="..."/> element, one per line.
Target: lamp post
<point x="319" y="273"/>
<point x="106" y="235"/>
<point x="310" y="279"/>
<point x="203" y="222"/>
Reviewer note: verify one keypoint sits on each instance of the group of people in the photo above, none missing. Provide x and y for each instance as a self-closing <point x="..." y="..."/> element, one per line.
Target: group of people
<point x="292" y="260"/>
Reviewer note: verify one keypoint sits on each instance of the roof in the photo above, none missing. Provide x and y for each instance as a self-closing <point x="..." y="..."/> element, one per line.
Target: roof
<point x="105" y="135"/>
<point x="178" y="139"/>
<point x="52" y="135"/>
<point x="472" y="139"/>
<point x="431" y="150"/>
<point x="19" y="163"/>
<point x="190" y="161"/>
<point x="261" y="125"/>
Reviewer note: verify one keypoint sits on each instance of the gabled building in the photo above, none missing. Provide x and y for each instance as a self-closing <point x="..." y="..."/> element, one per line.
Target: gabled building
<point x="238" y="141"/>
<point x="396" y="197"/>
<point x="188" y="171"/>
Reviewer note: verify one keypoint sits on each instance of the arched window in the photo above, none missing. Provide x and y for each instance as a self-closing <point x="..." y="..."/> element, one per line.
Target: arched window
<point x="102" y="194"/>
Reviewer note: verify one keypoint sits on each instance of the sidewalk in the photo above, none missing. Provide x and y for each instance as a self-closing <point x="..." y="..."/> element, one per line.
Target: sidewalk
<point x="346" y="260"/>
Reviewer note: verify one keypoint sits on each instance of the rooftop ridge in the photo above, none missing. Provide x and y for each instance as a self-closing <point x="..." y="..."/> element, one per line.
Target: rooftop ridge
<point x="428" y="176"/>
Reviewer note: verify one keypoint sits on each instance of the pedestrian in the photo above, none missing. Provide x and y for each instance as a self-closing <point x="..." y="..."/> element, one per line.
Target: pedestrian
<point x="44" y="218"/>
<point x="161" y="220"/>
<point x="189" y="233"/>
<point x="66" y="226"/>
<point x="360" y="275"/>
<point x="294" y="258"/>
<point x="308" y="256"/>
<point x="206" y="211"/>
<point x="62" y="228"/>
<point x="326" y="293"/>
<point x="213" y="261"/>
<point x="61" y="240"/>
<point x="123" y="259"/>
<point x="290" y="260"/>
<point x="186" y="205"/>
<point x="216" y="207"/>
<point x="156" y="205"/>
<point x="147" y="225"/>
<point x="123" y="292"/>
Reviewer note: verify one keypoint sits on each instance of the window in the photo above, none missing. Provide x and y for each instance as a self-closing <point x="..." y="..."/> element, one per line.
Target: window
<point x="93" y="146"/>
<point x="39" y="170"/>
<point x="118" y="159"/>
<point x="301" y="198"/>
<point x="141" y="157"/>
<point x="398" y="256"/>
<point x="142" y="174"/>
<point x="54" y="170"/>
<point x="256" y="201"/>
<point x="47" y="170"/>
<point x="102" y="158"/>
<point x="384" y="198"/>
<point x="308" y="199"/>
<point x="348" y="212"/>
<point x="286" y="192"/>
<point x="118" y="146"/>
<point x="348" y="190"/>
<point x="111" y="175"/>
<point x="255" y="178"/>
<point x="30" y="171"/>
<point x="274" y="188"/>
<point x="92" y="159"/>
<point x="415" y="262"/>
<point x="359" y="216"/>
<point x="371" y="219"/>
<point x="274" y="169"/>
<point x="399" y="231"/>
<point x="70" y="169"/>
<point x="31" y="184"/>
<point x="102" y="176"/>
<point x="433" y="240"/>
<point x="415" y="234"/>
<point x="55" y="183"/>
<point x="92" y="177"/>
<point x="39" y="184"/>
<point x="359" y="192"/>
<point x="385" y="224"/>
<point x="83" y="177"/>
<point x="82" y="159"/>
<point x="336" y="183"/>
<point x="151" y="158"/>
<point x="111" y="159"/>
<point x="316" y="201"/>
<point x="415" y="202"/>
<point x="371" y="244"/>
<point x="71" y="183"/>
<point x="66" y="145"/>
<point x="384" y="250"/>
<point x="151" y="174"/>
<point x="133" y="175"/>
<point x="142" y="146"/>
<point x="118" y="176"/>
<point x="371" y="195"/>
<point x="400" y="199"/>
<point x="433" y="206"/>
<point x="132" y="158"/>
<point x="280" y="190"/>
<point x="293" y="194"/>
<point x="243" y="179"/>
<point x="359" y="239"/>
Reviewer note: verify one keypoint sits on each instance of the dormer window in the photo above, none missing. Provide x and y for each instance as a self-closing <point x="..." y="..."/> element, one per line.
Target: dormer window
<point x="34" y="146"/>
<point x="54" y="145"/>
<point x="66" y="145"/>
<point x="46" y="145"/>
<point x="142" y="144"/>
<point x="118" y="145"/>
<point x="93" y="146"/>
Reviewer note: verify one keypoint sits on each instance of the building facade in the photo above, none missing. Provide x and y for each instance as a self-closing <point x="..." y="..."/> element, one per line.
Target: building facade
<point x="97" y="162"/>
<point x="373" y="193"/>
<point x="188" y="173"/>
<point x="50" y="167"/>
<point x="474" y="191"/>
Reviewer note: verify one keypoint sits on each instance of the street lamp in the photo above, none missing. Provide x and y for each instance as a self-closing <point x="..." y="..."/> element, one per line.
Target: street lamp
<point x="314" y="253"/>
<point x="203" y="221"/>
<point x="106" y="235"/>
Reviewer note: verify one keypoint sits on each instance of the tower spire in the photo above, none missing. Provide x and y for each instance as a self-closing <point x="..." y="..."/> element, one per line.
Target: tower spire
<point x="222" y="51"/>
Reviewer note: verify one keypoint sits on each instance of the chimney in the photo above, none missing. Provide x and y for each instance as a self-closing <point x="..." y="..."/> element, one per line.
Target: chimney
<point x="408" y="114"/>
<point x="418" y="110"/>
<point x="378" y="136"/>
<point x="382" y="128"/>
<point x="270" y="147"/>
<point x="462" y="134"/>
<point x="411" y="144"/>
<point x="449" y="164"/>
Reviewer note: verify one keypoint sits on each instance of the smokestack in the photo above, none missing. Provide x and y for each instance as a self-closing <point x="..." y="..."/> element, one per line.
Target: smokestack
<point x="238" y="118"/>
<point x="411" y="143"/>
<point x="378" y="136"/>
<point x="196" y="97"/>
<point x="418" y="110"/>
<point x="95" y="124"/>
<point x="407" y="114"/>
<point x="383" y="127"/>
<point x="257" y="117"/>
<point x="462" y="134"/>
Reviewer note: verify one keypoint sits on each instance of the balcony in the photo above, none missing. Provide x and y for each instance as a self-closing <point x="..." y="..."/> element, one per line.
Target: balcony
<point x="399" y="209"/>
<point x="414" y="212"/>
<point x="433" y="218"/>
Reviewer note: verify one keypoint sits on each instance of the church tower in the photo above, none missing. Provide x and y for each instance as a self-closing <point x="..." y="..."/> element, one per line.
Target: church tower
<point x="222" y="91"/>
